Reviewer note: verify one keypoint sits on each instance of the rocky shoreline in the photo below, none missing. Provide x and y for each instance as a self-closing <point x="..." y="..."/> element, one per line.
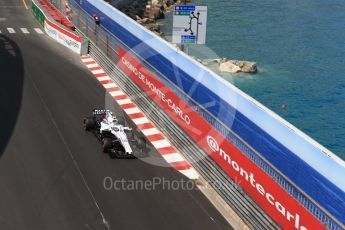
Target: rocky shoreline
<point x="151" y="9"/>
<point x="146" y="12"/>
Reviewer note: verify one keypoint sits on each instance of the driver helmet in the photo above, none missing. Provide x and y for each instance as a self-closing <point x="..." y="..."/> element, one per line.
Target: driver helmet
<point x="108" y="116"/>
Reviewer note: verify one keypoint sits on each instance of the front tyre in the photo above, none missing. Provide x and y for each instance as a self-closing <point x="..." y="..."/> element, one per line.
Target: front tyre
<point x="89" y="124"/>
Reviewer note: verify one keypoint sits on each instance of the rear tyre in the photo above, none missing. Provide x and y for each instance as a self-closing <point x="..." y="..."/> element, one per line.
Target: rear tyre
<point x="112" y="153"/>
<point x="89" y="123"/>
<point x="106" y="145"/>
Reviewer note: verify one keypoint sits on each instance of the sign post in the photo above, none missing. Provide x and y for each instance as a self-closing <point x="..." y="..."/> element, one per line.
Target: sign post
<point x="189" y="25"/>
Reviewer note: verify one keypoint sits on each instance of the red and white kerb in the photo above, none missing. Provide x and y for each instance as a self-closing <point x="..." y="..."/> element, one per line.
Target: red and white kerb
<point x="153" y="135"/>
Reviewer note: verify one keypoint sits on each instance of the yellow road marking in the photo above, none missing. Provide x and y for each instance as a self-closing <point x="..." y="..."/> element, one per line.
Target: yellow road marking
<point x="26" y="6"/>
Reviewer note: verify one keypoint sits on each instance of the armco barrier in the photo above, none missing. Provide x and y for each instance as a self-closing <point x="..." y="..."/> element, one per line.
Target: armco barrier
<point x="56" y="31"/>
<point x="226" y="138"/>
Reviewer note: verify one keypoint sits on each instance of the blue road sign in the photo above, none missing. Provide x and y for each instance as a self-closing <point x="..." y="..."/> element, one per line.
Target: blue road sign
<point x="185" y="8"/>
<point x="188" y="39"/>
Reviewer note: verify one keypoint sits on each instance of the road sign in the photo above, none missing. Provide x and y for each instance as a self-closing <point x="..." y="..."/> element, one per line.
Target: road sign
<point x="190" y="23"/>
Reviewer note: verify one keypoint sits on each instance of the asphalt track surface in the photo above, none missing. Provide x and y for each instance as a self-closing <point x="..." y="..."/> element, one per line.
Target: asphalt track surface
<point x="51" y="171"/>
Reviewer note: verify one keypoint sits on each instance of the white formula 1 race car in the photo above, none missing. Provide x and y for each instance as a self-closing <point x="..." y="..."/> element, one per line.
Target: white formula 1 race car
<point x="112" y="133"/>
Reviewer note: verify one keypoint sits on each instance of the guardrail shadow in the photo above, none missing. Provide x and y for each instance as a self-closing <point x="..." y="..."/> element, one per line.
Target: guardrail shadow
<point x="11" y="87"/>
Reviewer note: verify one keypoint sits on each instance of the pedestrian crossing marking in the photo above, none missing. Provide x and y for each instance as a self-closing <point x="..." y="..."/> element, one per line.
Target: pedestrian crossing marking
<point x="21" y="30"/>
<point x="24" y="30"/>
<point x="38" y="30"/>
<point x="11" y="30"/>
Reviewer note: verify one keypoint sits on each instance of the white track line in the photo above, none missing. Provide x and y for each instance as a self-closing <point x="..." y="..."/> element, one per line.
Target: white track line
<point x="38" y="30"/>
<point x="24" y="30"/>
<point x="11" y="30"/>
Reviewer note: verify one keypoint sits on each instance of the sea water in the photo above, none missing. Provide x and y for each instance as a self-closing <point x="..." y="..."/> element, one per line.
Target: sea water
<point x="299" y="47"/>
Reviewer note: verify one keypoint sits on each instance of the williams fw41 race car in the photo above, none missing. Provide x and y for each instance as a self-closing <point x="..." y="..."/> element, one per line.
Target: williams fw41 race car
<point x="114" y="136"/>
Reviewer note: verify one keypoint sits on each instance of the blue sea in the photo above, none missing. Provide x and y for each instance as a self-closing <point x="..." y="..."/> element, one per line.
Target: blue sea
<point x="299" y="47"/>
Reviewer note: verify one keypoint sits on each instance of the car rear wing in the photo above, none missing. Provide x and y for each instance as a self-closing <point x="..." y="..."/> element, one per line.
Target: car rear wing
<point x="101" y="112"/>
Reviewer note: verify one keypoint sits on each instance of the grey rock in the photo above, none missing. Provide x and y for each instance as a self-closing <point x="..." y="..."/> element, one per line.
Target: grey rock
<point x="246" y="66"/>
<point x="229" y="67"/>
